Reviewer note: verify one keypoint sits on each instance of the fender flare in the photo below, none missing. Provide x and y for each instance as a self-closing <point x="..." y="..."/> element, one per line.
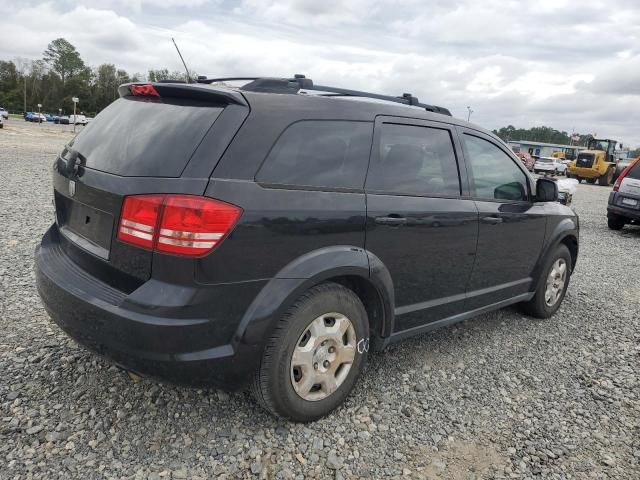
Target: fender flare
<point x="311" y="269"/>
<point x="567" y="227"/>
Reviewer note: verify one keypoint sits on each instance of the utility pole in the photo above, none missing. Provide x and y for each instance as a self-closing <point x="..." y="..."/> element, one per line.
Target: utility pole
<point x="470" y="110"/>
<point x="75" y="101"/>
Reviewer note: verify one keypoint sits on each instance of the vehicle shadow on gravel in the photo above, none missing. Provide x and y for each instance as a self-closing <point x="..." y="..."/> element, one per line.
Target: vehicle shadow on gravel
<point x="206" y="406"/>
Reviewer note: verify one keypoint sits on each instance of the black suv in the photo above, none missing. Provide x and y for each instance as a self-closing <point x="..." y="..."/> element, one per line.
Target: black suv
<point x="271" y="234"/>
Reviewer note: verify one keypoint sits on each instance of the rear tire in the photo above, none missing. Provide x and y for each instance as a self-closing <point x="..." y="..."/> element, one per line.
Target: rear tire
<point x="278" y="380"/>
<point x="550" y="290"/>
<point x="591" y="181"/>
<point x="615" y="222"/>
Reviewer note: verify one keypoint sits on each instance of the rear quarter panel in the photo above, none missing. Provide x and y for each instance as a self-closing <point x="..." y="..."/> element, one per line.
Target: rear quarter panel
<point x="279" y="225"/>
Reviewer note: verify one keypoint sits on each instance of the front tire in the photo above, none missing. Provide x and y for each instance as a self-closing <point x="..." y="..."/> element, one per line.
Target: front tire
<point x="605" y="180"/>
<point x="552" y="284"/>
<point x="315" y="354"/>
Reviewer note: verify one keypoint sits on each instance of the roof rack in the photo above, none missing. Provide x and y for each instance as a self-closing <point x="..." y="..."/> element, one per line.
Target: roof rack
<point x="300" y="82"/>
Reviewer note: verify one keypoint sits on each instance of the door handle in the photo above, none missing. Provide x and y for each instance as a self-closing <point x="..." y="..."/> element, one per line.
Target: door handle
<point x="391" y="220"/>
<point x="491" y="220"/>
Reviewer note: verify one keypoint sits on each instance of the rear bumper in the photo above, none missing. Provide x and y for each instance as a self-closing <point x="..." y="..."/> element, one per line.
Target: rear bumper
<point x="615" y="206"/>
<point x="584" y="172"/>
<point x="187" y="335"/>
<point x="547" y="168"/>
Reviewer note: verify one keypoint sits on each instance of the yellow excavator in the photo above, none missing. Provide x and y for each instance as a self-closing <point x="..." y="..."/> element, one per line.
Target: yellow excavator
<point x="596" y="163"/>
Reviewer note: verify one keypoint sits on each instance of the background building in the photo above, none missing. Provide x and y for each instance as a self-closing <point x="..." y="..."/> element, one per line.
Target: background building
<point x="541" y="149"/>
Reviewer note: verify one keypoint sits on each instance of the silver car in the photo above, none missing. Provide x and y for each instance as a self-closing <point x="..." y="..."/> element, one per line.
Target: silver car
<point x="624" y="200"/>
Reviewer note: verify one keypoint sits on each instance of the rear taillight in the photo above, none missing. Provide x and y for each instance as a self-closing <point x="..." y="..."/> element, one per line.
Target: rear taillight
<point x="139" y="219"/>
<point x="178" y="224"/>
<point x="616" y="186"/>
<point x="145" y="90"/>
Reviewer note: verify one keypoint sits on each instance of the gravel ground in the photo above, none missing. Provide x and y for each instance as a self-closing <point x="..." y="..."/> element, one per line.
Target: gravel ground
<point x="502" y="396"/>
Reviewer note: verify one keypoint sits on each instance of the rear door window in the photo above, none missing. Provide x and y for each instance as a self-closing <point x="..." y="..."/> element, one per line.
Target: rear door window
<point x="414" y="160"/>
<point x="141" y="137"/>
<point x="320" y="153"/>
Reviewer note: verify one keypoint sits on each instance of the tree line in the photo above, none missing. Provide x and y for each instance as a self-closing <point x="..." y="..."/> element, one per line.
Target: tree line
<point x="541" y="134"/>
<point x="548" y="135"/>
<point x="62" y="74"/>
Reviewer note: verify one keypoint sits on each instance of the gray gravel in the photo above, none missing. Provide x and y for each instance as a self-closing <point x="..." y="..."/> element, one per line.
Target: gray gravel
<point x="502" y="396"/>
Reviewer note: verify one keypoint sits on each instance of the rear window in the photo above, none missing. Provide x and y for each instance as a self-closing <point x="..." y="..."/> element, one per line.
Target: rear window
<point x="320" y="153"/>
<point x="635" y="171"/>
<point x="141" y="137"/>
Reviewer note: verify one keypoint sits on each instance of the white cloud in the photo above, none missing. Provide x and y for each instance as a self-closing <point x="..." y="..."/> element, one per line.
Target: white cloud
<point x="517" y="62"/>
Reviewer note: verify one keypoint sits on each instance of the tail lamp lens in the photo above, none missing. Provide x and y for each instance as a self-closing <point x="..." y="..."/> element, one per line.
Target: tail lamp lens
<point x="177" y="224"/>
<point x="139" y="219"/>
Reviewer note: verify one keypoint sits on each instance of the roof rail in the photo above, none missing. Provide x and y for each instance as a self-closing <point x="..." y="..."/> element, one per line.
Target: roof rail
<point x="300" y="82"/>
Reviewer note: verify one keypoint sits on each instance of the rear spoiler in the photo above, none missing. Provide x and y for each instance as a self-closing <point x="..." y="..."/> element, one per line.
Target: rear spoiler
<point x="191" y="91"/>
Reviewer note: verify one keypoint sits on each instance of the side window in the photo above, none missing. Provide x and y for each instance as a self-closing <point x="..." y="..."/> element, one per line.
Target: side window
<point x="414" y="160"/>
<point x="320" y="153"/>
<point x="494" y="174"/>
<point x="634" y="172"/>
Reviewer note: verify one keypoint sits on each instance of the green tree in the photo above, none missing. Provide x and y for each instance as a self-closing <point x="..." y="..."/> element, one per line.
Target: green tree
<point x="10" y="89"/>
<point x="164" y="74"/>
<point x="64" y="59"/>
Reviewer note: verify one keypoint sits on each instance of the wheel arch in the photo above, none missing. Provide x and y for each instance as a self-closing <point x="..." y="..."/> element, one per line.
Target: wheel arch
<point x="352" y="267"/>
<point x="565" y="233"/>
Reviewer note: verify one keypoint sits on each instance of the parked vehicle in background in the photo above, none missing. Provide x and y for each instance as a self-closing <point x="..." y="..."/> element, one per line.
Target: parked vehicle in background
<point x="63" y="120"/>
<point x="4" y="113"/>
<point x="78" y="120"/>
<point x="624" y="200"/>
<point x="237" y="241"/>
<point x="35" y="117"/>
<point x="551" y="165"/>
<point x="621" y="165"/>
<point x="527" y="160"/>
<point x="1" y="121"/>
<point x="567" y="188"/>
<point x="27" y="116"/>
<point x="596" y="163"/>
<point x="49" y="117"/>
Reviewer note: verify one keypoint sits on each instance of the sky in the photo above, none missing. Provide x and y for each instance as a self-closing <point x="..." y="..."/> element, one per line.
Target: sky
<point x="570" y="65"/>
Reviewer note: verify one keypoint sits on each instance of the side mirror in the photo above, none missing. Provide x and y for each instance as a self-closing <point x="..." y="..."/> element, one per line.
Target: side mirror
<point x="546" y="190"/>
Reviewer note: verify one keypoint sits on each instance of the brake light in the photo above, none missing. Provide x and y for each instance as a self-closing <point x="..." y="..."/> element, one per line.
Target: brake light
<point x="144" y="90"/>
<point x="616" y="186"/>
<point x="139" y="219"/>
<point x="178" y="224"/>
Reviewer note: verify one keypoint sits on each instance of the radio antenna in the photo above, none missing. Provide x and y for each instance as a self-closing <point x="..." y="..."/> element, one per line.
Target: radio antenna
<point x="183" y="62"/>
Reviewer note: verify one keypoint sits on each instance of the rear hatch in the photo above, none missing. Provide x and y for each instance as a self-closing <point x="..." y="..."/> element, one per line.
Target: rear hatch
<point x="165" y="138"/>
<point x="630" y="188"/>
